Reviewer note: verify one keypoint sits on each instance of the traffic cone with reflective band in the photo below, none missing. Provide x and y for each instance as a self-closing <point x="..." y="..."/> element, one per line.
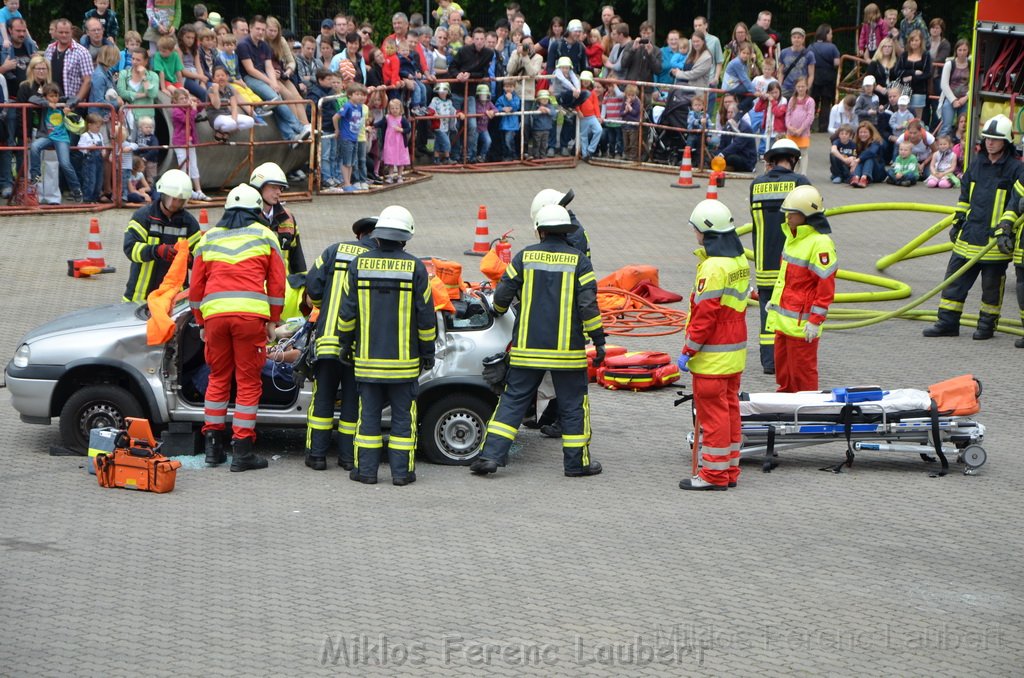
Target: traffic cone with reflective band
<point x="712" y="187"/>
<point x="95" y="254"/>
<point x="685" y="172"/>
<point x="482" y="241"/>
<point x="204" y="220"/>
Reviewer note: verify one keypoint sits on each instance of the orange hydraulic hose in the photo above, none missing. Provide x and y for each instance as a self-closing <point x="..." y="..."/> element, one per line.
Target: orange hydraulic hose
<point x="641" y="318"/>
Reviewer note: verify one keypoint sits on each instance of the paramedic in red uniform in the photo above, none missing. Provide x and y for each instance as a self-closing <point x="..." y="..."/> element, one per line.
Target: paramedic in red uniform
<point x="715" y="350"/>
<point x="803" y="292"/>
<point x="237" y="295"/>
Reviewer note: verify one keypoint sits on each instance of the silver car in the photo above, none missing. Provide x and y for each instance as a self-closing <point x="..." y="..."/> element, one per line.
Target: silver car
<point x="92" y="368"/>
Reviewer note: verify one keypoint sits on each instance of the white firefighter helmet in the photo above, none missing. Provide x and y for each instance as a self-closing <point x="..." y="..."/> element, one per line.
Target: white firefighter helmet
<point x="998" y="127"/>
<point x="552" y="218"/>
<point x="782" y="147"/>
<point x="175" y="184"/>
<point x="712" y="216"/>
<point x="268" y="173"/>
<point x="394" y="223"/>
<point x="547" y="196"/>
<point x="243" y="197"/>
<point x="804" y="199"/>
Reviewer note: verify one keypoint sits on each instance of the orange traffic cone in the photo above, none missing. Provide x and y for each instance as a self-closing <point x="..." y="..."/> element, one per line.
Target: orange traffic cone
<point x="685" y="172"/>
<point x="95" y="254"/>
<point x="204" y="220"/>
<point x="482" y="241"/>
<point x="712" y="187"/>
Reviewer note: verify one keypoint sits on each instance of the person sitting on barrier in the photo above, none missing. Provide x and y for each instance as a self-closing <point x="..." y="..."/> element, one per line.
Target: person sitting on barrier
<point x="943" y="165"/>
<point x="207" y="58"/>
<point x="307" y="64"/>
<point x="184" y="137"/>
<point x="53" y="132"/>
<point x="842" y="157"/>
<point x="411" y="76"/>
<point x="902" y="171"/>
<point x="168" y="65"/>
<point x="193" y="78"/>
<point x="737" y="80"/>
<point x="870" y="163"/>
<point x="256" y="66"/>
<point x="283" y="62"/>
<point x="224" y="115"/>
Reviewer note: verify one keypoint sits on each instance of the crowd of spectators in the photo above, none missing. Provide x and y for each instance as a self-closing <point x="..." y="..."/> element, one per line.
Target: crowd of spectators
<point x="439" y="93"/>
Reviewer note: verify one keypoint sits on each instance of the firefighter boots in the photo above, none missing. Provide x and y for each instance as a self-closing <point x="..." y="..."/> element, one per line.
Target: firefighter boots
<point x="1019" y="343"/>
<point x="986" y="327"/>
<point x="941" y="330"/>
<point x="592" y="470"/>
<point x="214" y="444"/>
<point x="482" y="467"/>
<point x="316" y="463"/>
<point x="243" y="458"/>
<point x="365" y="480"/>
<point x="408" y="479"/>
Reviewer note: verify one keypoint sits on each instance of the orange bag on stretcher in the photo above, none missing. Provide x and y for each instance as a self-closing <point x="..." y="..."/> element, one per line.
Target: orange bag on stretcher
<point x="957" y="396"/>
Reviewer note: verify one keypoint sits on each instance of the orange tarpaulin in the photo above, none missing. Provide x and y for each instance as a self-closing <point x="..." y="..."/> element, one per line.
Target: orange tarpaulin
<point x="160" y="327"/>
<point x="626" y="278"/>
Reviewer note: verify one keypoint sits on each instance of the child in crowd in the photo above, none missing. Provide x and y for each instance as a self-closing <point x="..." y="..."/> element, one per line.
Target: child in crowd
<point x="842" y="157"/>
<point x="892" y="18"/>
<point x="509" y="103"/>
<point x="593" y="46"/>
<point x="944" y="165"/>
<point x="348" y="122"/>
<point x="869" y="156"/>
<point x="736" y="79"/>
<point x="845" y="113"/>
<point x="444" y="109"/>
<point x="903" y="169"/>
<point x="53" y="133"/>
<point x="395" y="129"/>
<point x="485" y="108"/>
<point x="885" y="119"/>
<point x="138" y="187"/>
<point x="128" y="148"/>
<point x="327" y="83"/>
<point x="227" y="43"/>
<point x="899" y="120"/>
<point x="91" y="145"/>
<point x="411" y="75"/>
<point x="392" y="69"/>
<point x="542" y="125"/>
<point x="922" y="141"/>
<point x="866" y="106"/>
<point x="106" y="16"/>
<point x="799" y="116"/>
<point x="224" y="113"/>
<point x="774" y="107"/>
<point x="565" y="85"/>
<point x="589" y="116"/>
<point x="377" y="103"/>
<point x="132" y="40"/>
<point x="360" y="179"/>
<point x="697" y="122"/>
<point x="768" y="75"/>
<point x="10" y="10"/>
<point x="632" y="108"/>
<point x="168" y="64"/>
<point x="611" y="113"/>
<point x="307" y="64"/>
<point x="147" y="142"/>
<point x="206" y="58"/>
<point x="184" y="133"/>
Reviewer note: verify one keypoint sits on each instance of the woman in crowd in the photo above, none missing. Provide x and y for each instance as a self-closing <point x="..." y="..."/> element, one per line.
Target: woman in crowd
<point x="740" y="35"/>
<point x="915" y="66"/>
<point x="555" y="32"/>
<point x="284" y="63"/>
<point x="138" y="85"/>
<point x="826" y="69"/>
<point x="195" y="80"/>
<point x="939" y="50"/>
<point x="885" y="68"/>
<point x="698" y="67"/>
<point x="956" y="74"/>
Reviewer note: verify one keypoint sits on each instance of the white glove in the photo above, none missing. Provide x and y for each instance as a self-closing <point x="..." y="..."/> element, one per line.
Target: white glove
<point x="811" y="332"/>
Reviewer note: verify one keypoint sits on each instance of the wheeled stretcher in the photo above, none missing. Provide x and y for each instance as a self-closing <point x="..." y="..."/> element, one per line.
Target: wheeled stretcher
<point x="903" y="420"/>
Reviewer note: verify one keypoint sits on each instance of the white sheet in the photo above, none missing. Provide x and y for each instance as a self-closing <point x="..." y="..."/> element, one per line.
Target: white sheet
<point x="814" y="402"/>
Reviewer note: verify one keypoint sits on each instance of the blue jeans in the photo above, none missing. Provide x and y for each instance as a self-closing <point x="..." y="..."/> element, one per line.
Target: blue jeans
<point x="359" y="169"/>
<point x="9" y="119"/>
<point x="483" y="145"/>
<point x="286" y="120"/>
<point x="590" y="135"/>
<point x="511" y="147"/>
<point x="196" y="89"/>
<point x="329" y="169"/>
<point x="92" y="176"/>
<point x="949" y="116"/>
<point x="442" y="144"/>
<point x="612" y="137"/>
<point x="471" y="132"/>
<point x="63" y="150"/>
<point x="419" y="94"/>
<point x="347" y="152"/>
<point x="866" y="168"/>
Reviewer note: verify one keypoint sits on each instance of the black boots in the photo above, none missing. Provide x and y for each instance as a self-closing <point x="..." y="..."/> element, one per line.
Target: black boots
<point x="1019" y="343"/>
<point x="214" y="443"/>
<point x="243" y="458"/>
<point x="316" y="463"/>
<point x="940" y="329"/>
<point x="482" y="467"/>
<point x="592" y="470"/>
<point x="986" y="326"/>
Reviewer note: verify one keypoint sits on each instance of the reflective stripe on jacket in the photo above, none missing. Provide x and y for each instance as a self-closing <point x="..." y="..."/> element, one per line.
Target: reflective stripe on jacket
<point x="283" y="224"/>
<point x="766" y="195"/>
<point x="238" y="271"/>
<point x="716" y="330"/>
<point x="149" y="227"/>
<point x="557" y="289"/>
<point x="325" y="282"/>
<point x="387" y="312"/>
<point x="807" y="282"/>
<point x="990" y="192"/>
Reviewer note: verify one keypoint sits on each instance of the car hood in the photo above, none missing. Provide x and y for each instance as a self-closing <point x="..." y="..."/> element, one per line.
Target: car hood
<point x="97" y="317"/>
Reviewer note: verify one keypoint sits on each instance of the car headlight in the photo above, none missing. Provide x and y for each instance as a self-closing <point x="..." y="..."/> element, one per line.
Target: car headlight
<point x="22" y="356"/>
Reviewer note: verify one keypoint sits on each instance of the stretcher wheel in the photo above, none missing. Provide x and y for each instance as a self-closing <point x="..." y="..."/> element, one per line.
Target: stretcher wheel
<point x="974" y="456"/>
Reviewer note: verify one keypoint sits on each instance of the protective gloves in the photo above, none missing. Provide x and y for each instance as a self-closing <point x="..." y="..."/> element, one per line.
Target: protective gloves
<point x="811" y="332"/>
<point x="598" y="356"/>
<point x="958" y="224"/>
<point x="1004" y="238"/>
<point x="345" y="356"/>
<point x="681" y="362"/>
<point x="427" y="363"/>
<point x="165" y="252"/>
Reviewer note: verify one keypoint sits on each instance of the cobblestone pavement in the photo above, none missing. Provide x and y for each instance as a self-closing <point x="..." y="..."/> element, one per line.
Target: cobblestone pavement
<point x="882" y="570"/>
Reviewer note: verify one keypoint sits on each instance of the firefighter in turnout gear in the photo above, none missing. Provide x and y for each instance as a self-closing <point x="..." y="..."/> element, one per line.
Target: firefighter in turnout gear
<point x="153" y="232"/>
<point x="990" y="195"/>
<point x="715" y="350"/>
<point x="577" y="237"/>
<point x="387" y="329"/>
<point x="803" y="292"/>
<point x="557" y="289"/>
<point x="236" y="296"/>
<point x="270" y="181"/>
<point x="766" y="195"/>
<point x="324" y="284"/>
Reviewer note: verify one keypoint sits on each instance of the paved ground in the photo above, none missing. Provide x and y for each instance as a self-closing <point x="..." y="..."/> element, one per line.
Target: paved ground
<point x="882" y="570"/>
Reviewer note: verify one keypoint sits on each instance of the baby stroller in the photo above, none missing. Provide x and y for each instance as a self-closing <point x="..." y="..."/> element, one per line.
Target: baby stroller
<point x="666" y="145"/>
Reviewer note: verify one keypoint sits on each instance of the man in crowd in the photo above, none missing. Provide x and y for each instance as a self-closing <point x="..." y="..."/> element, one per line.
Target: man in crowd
<point x="795" y="62"/>
<point x="254" y="58"/>
<point x="93" y="39"/>
<point x="70" y="64"/>
<point x="14" y="67"/>
<point x="762" y="33"/>
<point x="471" y="63"/>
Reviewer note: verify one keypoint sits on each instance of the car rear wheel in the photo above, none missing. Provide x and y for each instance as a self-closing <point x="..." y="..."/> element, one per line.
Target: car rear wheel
<point x="453" y="427"/>
<point x="95" y="407"/>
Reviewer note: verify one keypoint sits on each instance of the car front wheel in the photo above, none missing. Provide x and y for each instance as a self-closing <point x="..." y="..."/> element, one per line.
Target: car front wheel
<point x="100" y="406"/>
<point x="452" y="428"/>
